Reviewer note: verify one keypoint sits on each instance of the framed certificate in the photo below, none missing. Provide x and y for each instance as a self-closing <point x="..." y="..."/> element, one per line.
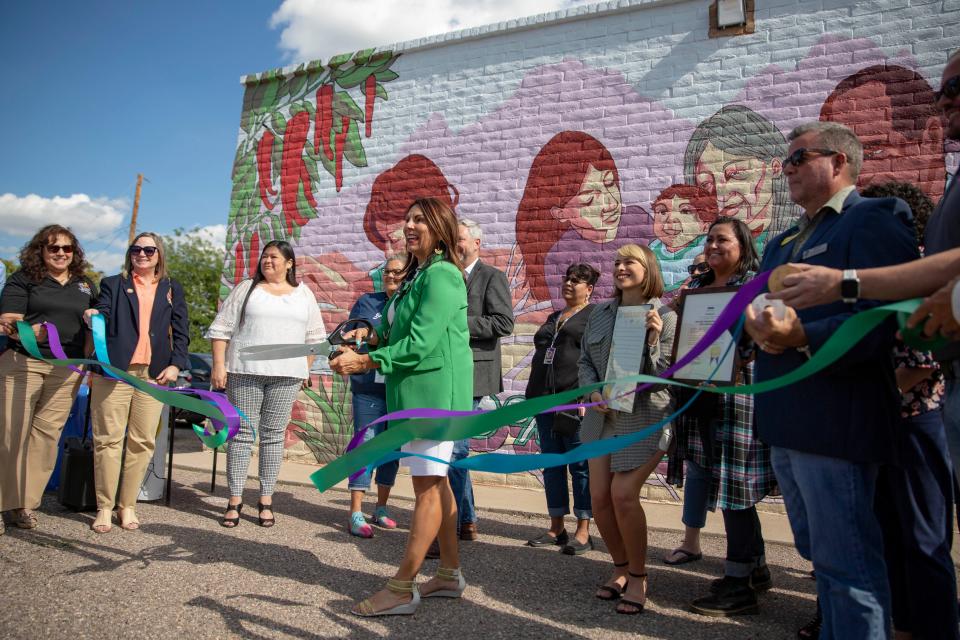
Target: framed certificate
<point x="699" y="309"/>
<point x="626" y="354"/>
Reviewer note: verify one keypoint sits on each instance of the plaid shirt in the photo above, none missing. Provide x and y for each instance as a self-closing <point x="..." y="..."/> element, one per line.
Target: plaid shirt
<point x="741" y="469"/>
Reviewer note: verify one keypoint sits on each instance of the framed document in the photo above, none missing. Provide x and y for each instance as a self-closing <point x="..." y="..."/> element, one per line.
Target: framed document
<point x="699" y="309"/>
<point x="626" y="354"/>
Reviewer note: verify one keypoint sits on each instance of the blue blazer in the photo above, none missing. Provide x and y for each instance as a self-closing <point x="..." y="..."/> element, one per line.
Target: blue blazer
<point x="169" y="327"/>
<point x="850" y="409"/>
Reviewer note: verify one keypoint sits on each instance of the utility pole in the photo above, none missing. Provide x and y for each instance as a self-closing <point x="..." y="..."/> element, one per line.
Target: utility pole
<point x="136" y="206"/>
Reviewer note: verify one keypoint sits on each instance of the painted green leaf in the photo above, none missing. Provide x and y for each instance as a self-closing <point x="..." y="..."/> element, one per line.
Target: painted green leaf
<point x="278" y="123"/>
<point x="361" y="57"/>
<point x="306" y="209"/>
<point x="386" y="75"/>
<point x="277" y="225"/>
<point x="276" y="158"/>
<point x="352" y="77"/>
<point x="353" y="147"/>
<point x="269" y="97"/>
<point x="296" y="108"/>
<point x="311" y="164"/>
<point x="339" y="60"/>
<point x="383" y="60"/>
<point x="382" y="92"/>
<point x="344" y="106"/>
<point x="296" y="85"/>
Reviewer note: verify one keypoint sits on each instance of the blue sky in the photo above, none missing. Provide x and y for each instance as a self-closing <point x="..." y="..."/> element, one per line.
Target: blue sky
<point x="95" y="92"/>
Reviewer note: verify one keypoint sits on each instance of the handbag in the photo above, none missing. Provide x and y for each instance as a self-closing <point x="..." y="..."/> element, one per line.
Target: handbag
<point x="77" y="490"/>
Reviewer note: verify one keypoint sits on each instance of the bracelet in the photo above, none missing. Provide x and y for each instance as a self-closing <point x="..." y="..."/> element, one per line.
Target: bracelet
<point x="955" y="301"/>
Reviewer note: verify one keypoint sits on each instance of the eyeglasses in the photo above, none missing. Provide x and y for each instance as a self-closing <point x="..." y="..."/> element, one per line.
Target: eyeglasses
<point x="949" y="90"/>
<point x="574" y="280"/>
<point x="700" y="267"/>
<point x="799" y="156"/>
<point x="57" y="248"/>
<point x="147" y="251"/>
<point x="393" y="273"/>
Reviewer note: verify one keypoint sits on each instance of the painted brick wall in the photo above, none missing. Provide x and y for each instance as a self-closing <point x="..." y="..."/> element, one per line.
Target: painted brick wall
<point x="566" y="135"/>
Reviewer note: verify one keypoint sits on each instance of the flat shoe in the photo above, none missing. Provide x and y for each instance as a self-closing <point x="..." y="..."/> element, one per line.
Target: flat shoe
<point x="685" y="557"/>
<point x="130" y="522"/>
<point x="104" y="521"/>
<point x="547" y="540"/>
<point x="576" y="548"/>
<point x="25" y="520"/>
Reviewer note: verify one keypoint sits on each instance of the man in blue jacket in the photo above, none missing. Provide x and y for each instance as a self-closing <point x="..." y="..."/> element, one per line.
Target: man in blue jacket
<point x="829" y="432"/>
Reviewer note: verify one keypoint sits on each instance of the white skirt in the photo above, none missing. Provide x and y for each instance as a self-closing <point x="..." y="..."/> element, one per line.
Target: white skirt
<point x="432" y="448"/>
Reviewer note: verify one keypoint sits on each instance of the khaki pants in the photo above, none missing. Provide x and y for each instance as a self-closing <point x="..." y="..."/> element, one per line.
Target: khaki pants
<point x="118" y="407"/>
<point x="35" y="398"/>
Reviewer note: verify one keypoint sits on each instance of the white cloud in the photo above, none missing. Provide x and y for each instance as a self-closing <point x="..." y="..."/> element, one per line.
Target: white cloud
<point x="216" y="234"/>
<point x="313" y="29"/>
<point x="89" y="218"/>
<point x="105" y="260"/>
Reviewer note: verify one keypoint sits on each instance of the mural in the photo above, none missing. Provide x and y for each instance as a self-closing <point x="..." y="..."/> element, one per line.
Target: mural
<point x="569" y="164"/>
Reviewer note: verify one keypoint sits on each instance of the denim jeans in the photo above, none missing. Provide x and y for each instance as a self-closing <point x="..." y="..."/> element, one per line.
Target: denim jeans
<point x="366" y="409"/>
<point x="830" y="505"/>
<point x="696" y="491"/>
<point x="555" y="478"/>
<point x="460" y="480"/>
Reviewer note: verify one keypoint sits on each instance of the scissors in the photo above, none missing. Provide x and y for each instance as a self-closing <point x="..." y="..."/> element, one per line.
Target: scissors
<point x="329" y="348"/>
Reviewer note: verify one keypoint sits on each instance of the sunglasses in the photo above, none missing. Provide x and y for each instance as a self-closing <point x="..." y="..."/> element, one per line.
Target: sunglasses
<point x="147" y="251"/>
<point x="393" y="273"/>
<point x="949" y="90"/>
<point x="700" y="267"/>
<point x="799" y="156"/>
<point x="57" y="248"/>
<point x="574" y="280"/>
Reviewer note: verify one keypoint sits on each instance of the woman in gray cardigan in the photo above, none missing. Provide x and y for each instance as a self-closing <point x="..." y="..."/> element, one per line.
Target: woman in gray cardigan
<point x="616" y="479"/>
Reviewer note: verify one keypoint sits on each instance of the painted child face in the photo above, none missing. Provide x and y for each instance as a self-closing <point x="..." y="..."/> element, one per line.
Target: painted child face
<point x="595" y="210"/>
<point x="393" y="232"/>
<point x="743" y="185"/>
<point x="676" y="223"/>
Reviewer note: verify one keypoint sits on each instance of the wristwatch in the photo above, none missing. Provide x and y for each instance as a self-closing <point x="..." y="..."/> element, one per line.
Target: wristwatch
<point x="850" y="286"/>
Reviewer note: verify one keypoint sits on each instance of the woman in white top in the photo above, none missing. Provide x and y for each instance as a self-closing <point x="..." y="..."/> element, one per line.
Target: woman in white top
<point x="270" y="309"/>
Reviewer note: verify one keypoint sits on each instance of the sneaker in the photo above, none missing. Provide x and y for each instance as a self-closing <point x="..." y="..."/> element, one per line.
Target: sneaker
<point x="760" y="580"/>
<point x="734" y="596"/>
<point x="575" y="548"/>
<point x="382" y="520"/>
<point x="359" y="526"/>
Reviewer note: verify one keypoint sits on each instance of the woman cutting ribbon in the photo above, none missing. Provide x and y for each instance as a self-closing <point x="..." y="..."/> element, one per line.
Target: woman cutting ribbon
<point x="147" y="333"/>
<point x="422" y="347"/>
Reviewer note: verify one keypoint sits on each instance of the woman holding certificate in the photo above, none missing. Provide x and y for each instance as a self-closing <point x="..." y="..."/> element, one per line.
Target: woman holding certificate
<point x="633" y="327"/>
<point x="726" y="466"/>
<point x="422" y="347"/>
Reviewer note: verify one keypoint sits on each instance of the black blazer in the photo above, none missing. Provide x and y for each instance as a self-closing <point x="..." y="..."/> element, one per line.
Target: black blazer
<point x="489" y="318"/>
<point x="169" y="327"/>
<point x="850" y="409"/>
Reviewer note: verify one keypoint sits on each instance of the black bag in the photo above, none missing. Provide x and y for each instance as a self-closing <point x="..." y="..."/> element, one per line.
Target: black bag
<point x="566" y="424"/>
<point x="77" y="490"/>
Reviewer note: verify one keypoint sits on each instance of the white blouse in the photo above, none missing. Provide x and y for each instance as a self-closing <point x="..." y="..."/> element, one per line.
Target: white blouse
<point x="288" y="319"/>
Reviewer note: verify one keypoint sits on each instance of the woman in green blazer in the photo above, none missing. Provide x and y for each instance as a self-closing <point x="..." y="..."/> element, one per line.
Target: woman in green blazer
<point x="423" y="349"/>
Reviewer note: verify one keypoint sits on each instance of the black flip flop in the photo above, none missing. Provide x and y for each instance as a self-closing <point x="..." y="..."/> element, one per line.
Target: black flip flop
<point x="685" y="557"/>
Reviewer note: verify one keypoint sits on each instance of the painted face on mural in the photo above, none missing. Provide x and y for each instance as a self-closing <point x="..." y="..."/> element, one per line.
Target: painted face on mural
<point x="887" y="154"/>
<point x="595" y="210"/>
<point x="393" y="232"/>
<point x="950" y="106"/>
<point x="743" y="185"/>
<point x="676" y="223"/>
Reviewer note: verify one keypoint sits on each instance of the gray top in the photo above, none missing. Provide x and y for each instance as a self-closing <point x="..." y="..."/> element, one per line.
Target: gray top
<point x="942" y="234"/>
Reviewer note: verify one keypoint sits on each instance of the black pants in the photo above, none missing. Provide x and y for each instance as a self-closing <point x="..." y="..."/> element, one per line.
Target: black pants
<point x="744" y="540"/>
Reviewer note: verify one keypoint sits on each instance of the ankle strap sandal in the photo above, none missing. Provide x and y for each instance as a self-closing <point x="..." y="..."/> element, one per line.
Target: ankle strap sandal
<point x="449" y="575"/>
<point x="365" y="609"/>
<point x="231" y="522"/>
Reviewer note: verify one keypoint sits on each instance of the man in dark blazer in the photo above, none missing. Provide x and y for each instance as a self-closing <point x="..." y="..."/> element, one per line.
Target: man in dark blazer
<point x="831" y="431"/>
<point x="489" y="318"/>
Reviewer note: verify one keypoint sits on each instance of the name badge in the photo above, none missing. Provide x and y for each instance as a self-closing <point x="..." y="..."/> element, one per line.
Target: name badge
<point x="549" y="355"/>
<point x="814" y="251"/>
<point x="378" y="378"/>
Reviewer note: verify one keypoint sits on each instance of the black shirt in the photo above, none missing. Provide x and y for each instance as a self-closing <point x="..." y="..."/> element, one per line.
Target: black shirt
<point x="563" y="374"/>
<point x="49" y="301"/>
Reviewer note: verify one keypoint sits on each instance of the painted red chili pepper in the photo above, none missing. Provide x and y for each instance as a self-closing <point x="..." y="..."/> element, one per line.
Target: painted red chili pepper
<point x="291" y="167"/>
<point x="254" y="253"/>
<point x="264" y="151"/>
<point x="324" y="120"/>
<point x="370" y="90"/>
<point x="339" y="140"/>
<point x="238" y="270"/>
<point x="307" y="185"/>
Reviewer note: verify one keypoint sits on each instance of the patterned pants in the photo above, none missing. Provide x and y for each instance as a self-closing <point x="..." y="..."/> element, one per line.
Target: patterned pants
<point x="266" y="401"/>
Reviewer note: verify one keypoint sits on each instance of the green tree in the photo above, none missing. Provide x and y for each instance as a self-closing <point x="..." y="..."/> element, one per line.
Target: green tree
<point x="195" y="263"/>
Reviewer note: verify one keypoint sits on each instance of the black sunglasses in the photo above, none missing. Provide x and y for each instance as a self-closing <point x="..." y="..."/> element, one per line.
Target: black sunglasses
<point x="147" y="251"/>
<point x="949" y="90"/>
<point x="700" y="267"/>
<point x="799" y="156"/>
<point x="57" y="248"/>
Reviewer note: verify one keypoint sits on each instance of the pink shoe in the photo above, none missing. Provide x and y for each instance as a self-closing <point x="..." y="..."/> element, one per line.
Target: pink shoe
<point x="382" y="520"/>
<point x="359" y="526"/>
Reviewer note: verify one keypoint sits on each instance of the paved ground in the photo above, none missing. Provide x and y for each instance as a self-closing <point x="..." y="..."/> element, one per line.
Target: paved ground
<point x="182" y="576"/>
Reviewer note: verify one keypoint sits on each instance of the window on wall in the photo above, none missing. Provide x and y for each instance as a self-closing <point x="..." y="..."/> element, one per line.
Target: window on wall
<point x="716" y="31"/>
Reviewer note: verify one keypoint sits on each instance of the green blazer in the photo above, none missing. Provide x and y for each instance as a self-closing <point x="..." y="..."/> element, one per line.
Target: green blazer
<point x="425" y="353"/>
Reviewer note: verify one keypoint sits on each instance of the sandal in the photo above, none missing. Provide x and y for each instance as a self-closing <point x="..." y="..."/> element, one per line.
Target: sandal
<point x="637" y="606"/>
<point x="449" y="575"/>
<point x="613" y="591"/>
<point x="104" y="521"/>
<point x="129" y="523"/>
<point x="232" y="522"/>
<point x="685" y="557"/>
<point x="25" y="519"/>
<point x="365" y="609"/>
<point x="265" y="522"/>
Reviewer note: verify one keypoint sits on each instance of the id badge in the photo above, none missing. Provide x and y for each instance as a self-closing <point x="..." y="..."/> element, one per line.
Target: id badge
<point x="378" y="378"/>
<point x="549" y="355"/>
